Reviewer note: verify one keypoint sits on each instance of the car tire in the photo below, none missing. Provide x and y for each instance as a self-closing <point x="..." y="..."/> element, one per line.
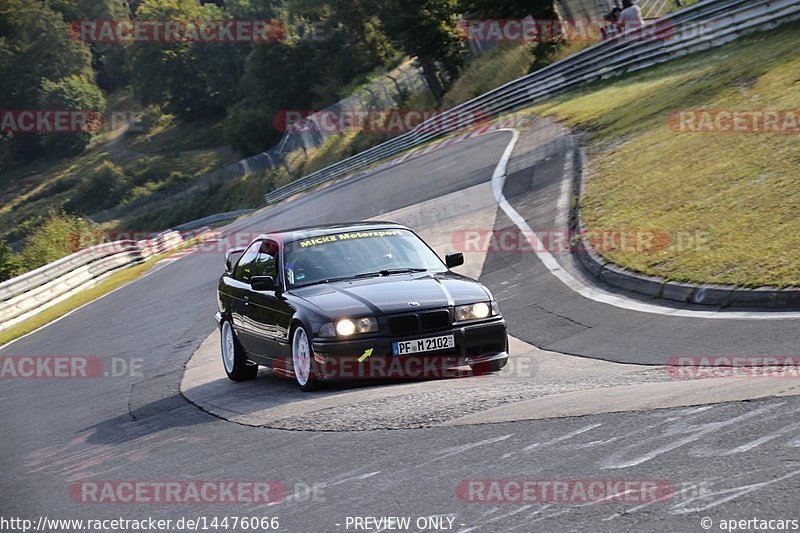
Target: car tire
<point x="234" y="361"/>
<point x="303" y="360"/>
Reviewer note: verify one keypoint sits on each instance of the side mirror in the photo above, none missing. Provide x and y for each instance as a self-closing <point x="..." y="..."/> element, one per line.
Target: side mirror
<point x="263" y="283"/>
<point x="453" y="260"/>
<point x="230" y="259"/>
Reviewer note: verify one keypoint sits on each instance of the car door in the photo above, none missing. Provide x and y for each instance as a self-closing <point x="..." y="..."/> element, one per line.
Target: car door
<point x="241" y="292"/>
<point x="268" y="312"/>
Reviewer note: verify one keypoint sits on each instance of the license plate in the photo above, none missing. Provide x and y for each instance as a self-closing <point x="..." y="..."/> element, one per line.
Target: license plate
<point x="431" y="344"/>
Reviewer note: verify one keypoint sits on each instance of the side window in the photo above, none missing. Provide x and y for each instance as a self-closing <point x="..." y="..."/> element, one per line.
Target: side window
<point x="244" y="268"/>
<point x="265" y="263"/>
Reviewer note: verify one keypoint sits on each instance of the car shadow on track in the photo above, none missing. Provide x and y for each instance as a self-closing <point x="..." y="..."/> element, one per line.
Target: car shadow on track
<point x="170" y="412"/>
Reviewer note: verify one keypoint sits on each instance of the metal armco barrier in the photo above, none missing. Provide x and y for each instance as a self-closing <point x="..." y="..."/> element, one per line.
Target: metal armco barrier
<point x="698" y="27"/>
<point x="213" y="219"/>
<point x="31" y="293"/>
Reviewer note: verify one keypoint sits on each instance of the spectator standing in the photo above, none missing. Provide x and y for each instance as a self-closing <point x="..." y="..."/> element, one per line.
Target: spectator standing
<point x="631" y="16"/>
<point x="612" y="19"/>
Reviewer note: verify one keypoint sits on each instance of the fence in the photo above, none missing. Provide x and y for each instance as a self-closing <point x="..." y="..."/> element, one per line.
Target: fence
<point x="213" y="219"/>
<point x="700" y="26"/>
<point x="391" y="90"/>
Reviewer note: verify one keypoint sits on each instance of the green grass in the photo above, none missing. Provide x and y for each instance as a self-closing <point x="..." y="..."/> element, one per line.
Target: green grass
<point x="502" y="64"/>
<point x="739" y="190"/>
<point x="167" y="134"/>
<point x="53" y="187"/>
<point x="32" y="190"/>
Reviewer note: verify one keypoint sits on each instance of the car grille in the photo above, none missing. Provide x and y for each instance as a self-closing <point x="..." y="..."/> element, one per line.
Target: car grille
<point x="404" y="324"/>
<point x="419" y="322"/>
<point x="434" y="320"/>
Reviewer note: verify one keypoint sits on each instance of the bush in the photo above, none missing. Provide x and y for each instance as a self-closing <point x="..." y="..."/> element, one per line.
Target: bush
<point x="59" y="236"/>
<point x="9" y="263"/>
<point x="74" y="93"/>
<point x="104" y="188"/>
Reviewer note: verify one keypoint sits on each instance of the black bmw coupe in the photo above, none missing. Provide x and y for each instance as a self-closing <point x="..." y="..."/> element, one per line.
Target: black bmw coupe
<point x="351" y="302"/>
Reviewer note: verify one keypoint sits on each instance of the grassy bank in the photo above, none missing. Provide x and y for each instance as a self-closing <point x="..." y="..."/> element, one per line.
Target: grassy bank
<point x="739" y="190"/>
<point x="116" y="168"/>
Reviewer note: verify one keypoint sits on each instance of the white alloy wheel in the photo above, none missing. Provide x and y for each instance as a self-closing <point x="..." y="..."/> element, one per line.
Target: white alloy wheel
<point x="228" y="347"/>
<point x="301" y="356"/>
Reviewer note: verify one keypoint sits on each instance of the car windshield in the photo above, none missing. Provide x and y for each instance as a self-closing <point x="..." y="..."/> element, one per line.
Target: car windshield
<point x="353" y="255"/>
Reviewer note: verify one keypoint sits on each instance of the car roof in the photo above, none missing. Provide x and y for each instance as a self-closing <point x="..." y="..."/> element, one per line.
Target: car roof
<point x="311" y="232"/>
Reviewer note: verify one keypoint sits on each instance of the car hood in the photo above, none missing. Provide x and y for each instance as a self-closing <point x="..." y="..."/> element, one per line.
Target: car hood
<point x="392" y="294"/>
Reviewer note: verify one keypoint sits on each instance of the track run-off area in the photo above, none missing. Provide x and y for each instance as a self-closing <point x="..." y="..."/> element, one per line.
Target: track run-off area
<point x="587" y="395"/>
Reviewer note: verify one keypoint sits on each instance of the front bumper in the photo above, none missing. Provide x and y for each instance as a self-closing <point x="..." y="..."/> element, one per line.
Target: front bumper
<point x="373" y="357"/>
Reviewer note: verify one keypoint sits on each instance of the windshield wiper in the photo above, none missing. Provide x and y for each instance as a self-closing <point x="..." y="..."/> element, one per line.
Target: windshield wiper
<point x="367" y="275"/>
<point x="323" y="281"/>
<point x="389" y="272"/>
<point x="385" y="272"/>
<point x="333" y="280"/>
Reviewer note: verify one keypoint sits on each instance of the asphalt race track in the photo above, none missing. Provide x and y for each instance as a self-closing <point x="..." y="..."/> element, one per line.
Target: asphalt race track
<point x="735" y="460"/>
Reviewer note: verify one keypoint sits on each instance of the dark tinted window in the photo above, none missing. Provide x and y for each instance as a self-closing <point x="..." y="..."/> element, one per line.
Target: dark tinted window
<point x="265" y="263"/>
<point x="244" y="268"/>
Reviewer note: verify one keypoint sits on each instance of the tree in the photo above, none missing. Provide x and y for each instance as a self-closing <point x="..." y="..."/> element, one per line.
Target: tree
<point x="305" y="70"/>
<point x="507" y="9"/>
<point x="109" y="60"/>
<point x="36" y="48"/>
<point x="277" y="77"/>
<point x="190" y="79"/>
<point x="73" y="93"/>
<point x="428" y="29"/>
<point x="543" y="50"/>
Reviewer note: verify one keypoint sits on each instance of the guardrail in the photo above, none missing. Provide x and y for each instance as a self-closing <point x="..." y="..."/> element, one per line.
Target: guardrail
<point x="309" y="133"/>
<point x="213" y="219"/>
<point x="700" y="26"/>
<point x="33" y="292"/>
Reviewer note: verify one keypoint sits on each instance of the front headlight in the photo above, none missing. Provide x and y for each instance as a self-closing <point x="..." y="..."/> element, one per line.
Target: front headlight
<point x="476" y="311"/>
<point x="347" y="327"/>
